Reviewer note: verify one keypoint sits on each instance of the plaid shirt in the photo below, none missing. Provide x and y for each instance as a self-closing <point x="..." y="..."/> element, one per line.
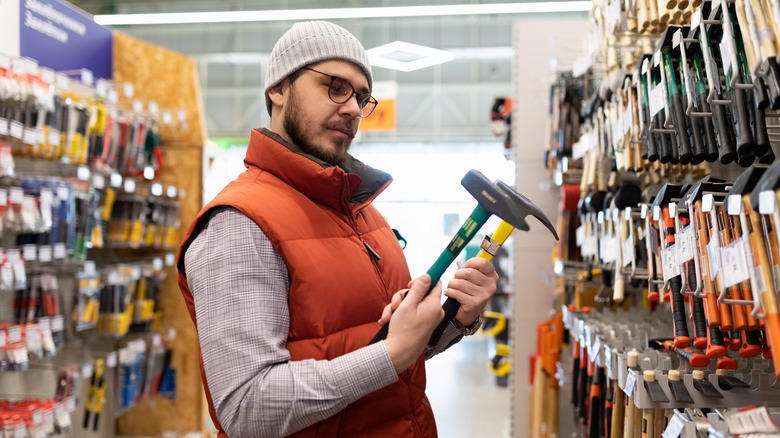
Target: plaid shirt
<point x="240" y="285"/>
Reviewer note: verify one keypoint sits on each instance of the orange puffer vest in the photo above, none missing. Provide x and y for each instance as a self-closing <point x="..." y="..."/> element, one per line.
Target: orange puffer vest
<point x="320" y="220"/>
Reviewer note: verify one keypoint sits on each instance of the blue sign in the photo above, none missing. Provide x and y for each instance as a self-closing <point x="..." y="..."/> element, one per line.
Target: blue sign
<point x="64" y="38"/>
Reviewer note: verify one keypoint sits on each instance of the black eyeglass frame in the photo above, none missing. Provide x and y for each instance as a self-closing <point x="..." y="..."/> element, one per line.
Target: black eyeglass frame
<point x="371" y="99"/>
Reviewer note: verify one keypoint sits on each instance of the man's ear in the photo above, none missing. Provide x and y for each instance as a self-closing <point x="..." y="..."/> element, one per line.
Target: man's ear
<point x="276" y="94"/>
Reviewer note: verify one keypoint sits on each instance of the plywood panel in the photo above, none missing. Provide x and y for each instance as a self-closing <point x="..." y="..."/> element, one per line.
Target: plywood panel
<point x="170" y="80"/>
<point x="165" y="77"/>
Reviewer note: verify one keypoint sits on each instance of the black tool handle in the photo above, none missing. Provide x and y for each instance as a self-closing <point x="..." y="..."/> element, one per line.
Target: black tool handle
<point x="741" y="121"/>
<point x="681" y="336"/>
<point x="575" y="378"/>
<point x="710" y="136"/>
<point x="450" y="307"/>
<point x="684" y="150"/>
<point x="595" y="405"/>
<point x="583" y="383"/>
<point x="693" y="358"/>
<point x="699" y="145"/>
<point x="760" y="94"/>
<point x="761" y="134"/>
<point x="699" y="323"/>
<point x="727" y="151"/>
<point x="672" y="139"/>
<point x="664" y="148"/>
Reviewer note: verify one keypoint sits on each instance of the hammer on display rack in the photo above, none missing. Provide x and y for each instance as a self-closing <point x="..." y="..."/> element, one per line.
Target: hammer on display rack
<point x="492" y="200"/>
<point x="727" y="152"/>
<point x="671" y="193"/>
<point x="688" y="95"/>
<point x="714" y="315"/>
<point x="670" y="71"/>
<point x="703" y="111"/>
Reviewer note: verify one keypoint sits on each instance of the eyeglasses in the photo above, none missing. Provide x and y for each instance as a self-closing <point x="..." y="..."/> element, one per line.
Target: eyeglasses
<point x="340" y="91"/>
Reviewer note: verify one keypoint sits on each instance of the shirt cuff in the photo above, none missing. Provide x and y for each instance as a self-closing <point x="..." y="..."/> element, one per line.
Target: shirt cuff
<point x="364" y="371"/>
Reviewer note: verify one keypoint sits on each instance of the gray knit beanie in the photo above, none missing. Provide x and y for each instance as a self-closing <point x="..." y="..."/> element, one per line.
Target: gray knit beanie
<point x="310" y="42"/>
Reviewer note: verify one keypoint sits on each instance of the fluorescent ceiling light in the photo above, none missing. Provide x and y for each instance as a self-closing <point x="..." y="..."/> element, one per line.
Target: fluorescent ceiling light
<point x="342" y="13"/>
<point x="421" y="56"/>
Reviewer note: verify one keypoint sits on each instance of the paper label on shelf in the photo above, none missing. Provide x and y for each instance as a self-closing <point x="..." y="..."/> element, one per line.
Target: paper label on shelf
<point x="111" y="359"/>
<point x="628" y="251"/>
<point x="590" y="246"/>
<point x="30" y="252"/>
<point x="580" y="235"/>
<point x="3" y="198"/>
<point x="99" y="181"/>
<point x="685" y="242"/>
<point x="60" y="251"/>
<point x="630" y="383"/>
<point x="608" y="249"/>
<point x="675" y="427"/>
<point x="713" y="249"/>
<point x="3" y="126"/>
<point x="594" y="351"/>
<point x="671" y="266"/>
<point x="657" y="99"/>
<point x="16" y="130"/>
<point x="57" y="323"/>
<point x="44" y="253"/>
<point x="86" y="371"/>
<point x="734" y="264"/>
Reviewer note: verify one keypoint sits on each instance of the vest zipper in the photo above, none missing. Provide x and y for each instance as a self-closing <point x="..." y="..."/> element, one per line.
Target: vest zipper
<point x="371" y="251"/>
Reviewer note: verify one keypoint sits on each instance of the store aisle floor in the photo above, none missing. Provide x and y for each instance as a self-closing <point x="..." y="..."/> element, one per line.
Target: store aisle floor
<point x="466" y="400"/>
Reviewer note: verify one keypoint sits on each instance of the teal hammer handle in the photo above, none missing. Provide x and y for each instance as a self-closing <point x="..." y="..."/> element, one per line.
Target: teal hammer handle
<point x="467" y="231"/>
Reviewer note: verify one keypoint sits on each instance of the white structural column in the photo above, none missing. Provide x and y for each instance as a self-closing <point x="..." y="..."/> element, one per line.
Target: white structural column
<point x="539" y="45"/>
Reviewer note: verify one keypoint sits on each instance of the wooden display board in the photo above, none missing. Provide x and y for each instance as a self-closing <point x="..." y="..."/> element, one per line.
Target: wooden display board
<point x="170" y="80"/>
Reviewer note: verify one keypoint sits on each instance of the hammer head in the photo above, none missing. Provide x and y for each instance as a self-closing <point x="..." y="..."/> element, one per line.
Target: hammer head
<point x="527" y="207"/>
<point x="494" y="199"/>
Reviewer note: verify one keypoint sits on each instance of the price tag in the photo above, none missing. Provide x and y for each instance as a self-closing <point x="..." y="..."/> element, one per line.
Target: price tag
<point x="63" y="193"/>
<point x="170" y="259"/>
<point x="44" y="253"/>
<point x="101" y="88"/>
<point x="750" y="421"/>
<point x="580" y="235"/>
<point x="596" y="349"/>
<point x="612" y="249"/>
<point x="153" y="108"/>
<point x="86" y="371"/>
<point x="57" y="323"/>
<point x="657" y="99"/>
<point x="138" y="106"/>
<point x="713" y="249"/>
<point x="116" y="180"/>
<point x="696" y="19"/>
<point x="167" y="119"/>
<point x="3" y="126"/>
<point x="654" y="243"/>
<point x="13" y="256"/>
<point x="16" y="130"/>
<point x="113" y="96"/>
<point x="171" y="191"/>
<point x="3" y="198"/>
<point x="628" y="251"/>
<point x="70" y="404"/>
<point x="128" y="90"/>
<point x="129" y="186"/>
<point x="30" y="252"/>
<point x="86" y="77"/>
<point x="734" y="263"/>
<point x="671" y="264"/>
<point x="5" y="61"/>
<point x="766" y="202"/>
<point x="685" y="241"/>
<point x="99" y="181"/>
<point x="734" y="205"/>
<point x="111" y="359"/>
<point x="83" y="173"/>
<point x="14" y="334"/>
<point x="60" y="251"/>
<point x="630" y="384"/>
<point x="182" y="115"/>
<point x="591" y="246"/>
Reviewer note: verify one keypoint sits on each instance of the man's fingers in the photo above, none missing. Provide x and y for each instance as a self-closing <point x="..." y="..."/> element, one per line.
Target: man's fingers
<point x="418" y="289"/>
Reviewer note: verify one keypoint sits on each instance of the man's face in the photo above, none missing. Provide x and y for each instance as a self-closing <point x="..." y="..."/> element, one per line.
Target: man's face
<point x="312" y="121"/>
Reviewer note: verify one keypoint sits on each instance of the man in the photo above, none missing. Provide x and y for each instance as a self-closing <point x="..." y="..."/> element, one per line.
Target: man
<point x="290" y="271"/>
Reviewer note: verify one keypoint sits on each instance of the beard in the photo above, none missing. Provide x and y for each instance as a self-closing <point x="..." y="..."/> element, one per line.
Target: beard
<point x="295" y="126"/>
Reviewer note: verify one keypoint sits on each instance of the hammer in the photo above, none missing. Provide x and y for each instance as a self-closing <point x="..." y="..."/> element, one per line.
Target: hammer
<point x="492" y="200"/>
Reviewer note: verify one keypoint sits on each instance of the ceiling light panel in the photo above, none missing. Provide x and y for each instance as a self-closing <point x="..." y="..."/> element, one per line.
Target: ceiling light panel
<point x="393" y="55"/>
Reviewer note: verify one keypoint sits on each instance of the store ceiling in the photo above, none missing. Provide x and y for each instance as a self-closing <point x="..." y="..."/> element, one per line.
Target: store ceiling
<point x="446" y="103"/>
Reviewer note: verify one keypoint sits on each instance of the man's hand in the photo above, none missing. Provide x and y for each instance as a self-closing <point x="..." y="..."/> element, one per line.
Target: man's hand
<point x="472" y="286"/>
<point x="412" y="319"/>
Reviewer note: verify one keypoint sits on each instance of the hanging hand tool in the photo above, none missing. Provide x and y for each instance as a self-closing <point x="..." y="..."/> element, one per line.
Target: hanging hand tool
<point x="672" y="80"/>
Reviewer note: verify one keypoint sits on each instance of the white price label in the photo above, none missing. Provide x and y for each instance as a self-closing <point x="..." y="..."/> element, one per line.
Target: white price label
<point x="60" y="251"/>
<point x="44" y="253"/>
<point x="83" y="173"/>
<point x="138" y="106"/>
<point x="630" y="384"/>
<point x="3" y="126"/>
<point x="612" y="249"/>
<point x="671" y="266"/>
<point x="54" y="137"/>
<point x="14" y="334"/>
<point x="755" y="420"/>
<point x="594" y="353"/>
<point x="30" y="252"/>
<point x="657" y="99"/>
<point x="734" y="264"/>
<point x="685" y="242"/>
<point x="46" y="197"/>
<point x="16" y="130"/>
<point x="57" y="323"/>
<point x="86" y="371"/>
<point x="628" y="251"/>
<point x="580" y="235"/>
<point x="713" y="250"/>
<point x="591" y="246"/>
<point x="99" y="181"/>
<point x="3" y="198"/>
<point x="86" y="77"/>
<point x="128" y="89"/>
<point x="111" y="360"/>
<point x="170" y="259"/>
<point x="153" y="108"/>
<point x="167" y="119"/>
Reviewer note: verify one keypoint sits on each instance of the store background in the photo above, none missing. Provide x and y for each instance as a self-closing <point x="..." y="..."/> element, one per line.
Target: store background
<point x="443" y="129"/>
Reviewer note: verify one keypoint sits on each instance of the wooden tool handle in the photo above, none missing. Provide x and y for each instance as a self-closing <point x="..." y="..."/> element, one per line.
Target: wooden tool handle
<point x="766" y="38"/>
<point x="711" y="298"/>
